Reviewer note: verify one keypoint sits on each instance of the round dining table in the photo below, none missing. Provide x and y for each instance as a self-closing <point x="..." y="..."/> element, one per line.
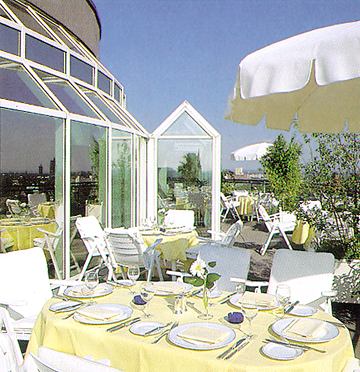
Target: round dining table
<point x="132" y="352"/>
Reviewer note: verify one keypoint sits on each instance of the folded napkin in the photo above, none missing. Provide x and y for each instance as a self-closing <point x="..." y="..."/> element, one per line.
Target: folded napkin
<point x="171" y="287"/>
<point x="98" y="313"/>
<point x="260" y="299"/>
<point x="80" y="290"/>
<point x="63" y="305"/>
<point x="204" y="334"/>
<point x="309" y="328"/>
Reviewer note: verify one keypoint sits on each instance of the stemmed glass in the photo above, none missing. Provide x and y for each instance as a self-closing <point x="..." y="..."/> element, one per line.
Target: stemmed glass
<point x="250" y="312"/>
<point x="240" y="289"/>
<point x="282" y="294"/>
<point x="146" y="294"/>
<point x="92" y="280"/>
<point x="133" y="274"/>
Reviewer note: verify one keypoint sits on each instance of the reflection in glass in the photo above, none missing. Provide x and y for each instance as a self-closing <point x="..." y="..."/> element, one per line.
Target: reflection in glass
<point x="185" y="177"/>
<point x="45" y="54"/>
<point x="31" y="158"/>
<point x="18" y="85"/>
<point x="81" y="70"/>
<point x="9" y="39"/>
<point x="68" y="96"/>
<point x="104" y="82"/>
<point x="185" y="125"/>
<point x="88" y="170"/>
<point x="121" y="178"/>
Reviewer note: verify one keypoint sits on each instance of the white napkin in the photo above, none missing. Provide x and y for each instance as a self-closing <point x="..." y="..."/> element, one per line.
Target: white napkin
<point x="80" y="290"/>
<point x="309" y="328"/>
<point x="204" y="334"/>
<point x="98" y="313"/>
<point x="260" y="299"/>
<point x="168" y="287"/>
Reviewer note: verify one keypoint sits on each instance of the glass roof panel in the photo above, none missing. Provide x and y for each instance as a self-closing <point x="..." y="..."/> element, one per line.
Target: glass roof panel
<point x="18" y="85"/>
<point x="104" y="82"/>
<point x="81" y="70"/>
<point x="3" y="13"/>
<point x="45" y="54"/>
<point x="103" y="107"/>
<point x="68" y="96"/>
<point x="26" y="18"/>
<point x="185" y="125"/>
<point x="9" y="39"/>
<point x="117" y="93"/>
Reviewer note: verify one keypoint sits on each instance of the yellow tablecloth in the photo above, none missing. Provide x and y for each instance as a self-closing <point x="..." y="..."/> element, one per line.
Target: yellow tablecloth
<point x="47" y="210"/>
<point x="136" y="353"/>
<point x="303" y="233"/>
<point x="246" y="205"/>
<point x="173" y="247"/>
<point x="23" y="235"/>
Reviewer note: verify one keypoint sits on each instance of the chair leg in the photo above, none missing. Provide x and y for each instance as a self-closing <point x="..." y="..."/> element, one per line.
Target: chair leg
<point x="86" y="264"/>
<point x="56" y="266"/>
<point x="266" y="244"/>
<point x="158" y="267"/>
<point x="283" y="234"/>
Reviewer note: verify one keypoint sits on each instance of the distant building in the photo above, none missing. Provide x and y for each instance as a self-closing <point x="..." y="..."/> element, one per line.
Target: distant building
<point x="239" y="171"/>
<point x="40" y="170"/>
<point x="52" y="167"/>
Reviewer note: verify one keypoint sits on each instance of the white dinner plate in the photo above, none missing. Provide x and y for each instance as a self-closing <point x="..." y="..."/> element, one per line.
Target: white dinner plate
<point x="169" y="288"/>
<point x="123" y="310"/>
<point x="141" y="328"/>
<point x="102" y="289"/>
<point x="329" y="331"/>
<point x="302" y="310"/>
<point x="179" y="341"/>
<point x="234" y="300"/>
<point x="281" y="352"/>
<point x="125" y="282"/>
<point x="64" y="306"/>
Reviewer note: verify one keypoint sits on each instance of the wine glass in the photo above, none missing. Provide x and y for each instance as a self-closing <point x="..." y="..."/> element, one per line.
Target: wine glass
<point x="250" y="312"/>
<point x="282" y="294"/>
<point x="92" y="280"/>
<point x="147" y="294"/>
<point x="240" y="289"/>
<point x="133" y="274"/>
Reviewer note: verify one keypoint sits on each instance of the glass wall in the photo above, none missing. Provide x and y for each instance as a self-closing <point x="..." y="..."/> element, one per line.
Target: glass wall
<point x="121" y="178"/>
<point x="31" y="168"/>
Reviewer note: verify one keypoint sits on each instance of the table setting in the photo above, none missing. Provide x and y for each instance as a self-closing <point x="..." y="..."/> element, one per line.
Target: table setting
<point x="137" y="332"/>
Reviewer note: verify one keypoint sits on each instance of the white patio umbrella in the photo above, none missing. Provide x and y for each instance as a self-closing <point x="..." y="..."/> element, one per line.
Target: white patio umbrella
<point x="313" y="77"/>
<point x="251" y="152"/>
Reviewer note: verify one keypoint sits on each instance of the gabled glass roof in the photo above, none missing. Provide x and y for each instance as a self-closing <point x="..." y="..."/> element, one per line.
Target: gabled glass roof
<point x="185" y="125"/>
<point x="9" y="39"/>
<point x="18" y="85"/>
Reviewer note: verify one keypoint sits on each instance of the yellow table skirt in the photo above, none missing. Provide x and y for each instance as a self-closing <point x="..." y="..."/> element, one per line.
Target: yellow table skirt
<point x="246" y="205"/>
<point x="47" y="210"/>
<point x="133" y="353"/>
<point x="173" y="247"/>
<point x="303" y="233"/>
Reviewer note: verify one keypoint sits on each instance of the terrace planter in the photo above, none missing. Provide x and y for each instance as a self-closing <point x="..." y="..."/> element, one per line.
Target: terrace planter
<point x="347" y="277"/>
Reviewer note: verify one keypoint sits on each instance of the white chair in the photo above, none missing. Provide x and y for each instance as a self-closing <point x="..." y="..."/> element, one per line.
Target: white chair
<point x="93" y="237"/>
<point x="5" y="243"/>
<point x="27" y="287"/>
<point x="229" y="205"/>
<point x="179" y="217"/>
<point x="34" y="200"/>
<point x="51" y="242"/>
<point x="308" y="274"/>
<point x="352" y="365"/>
<point x="13" y="206"/>
<point x="278" y="223"/>
<point x="126" y="247"/>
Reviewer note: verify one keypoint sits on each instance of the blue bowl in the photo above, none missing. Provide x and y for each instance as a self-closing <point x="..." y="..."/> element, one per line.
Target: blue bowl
<point x="137" y="300"/>
<point x="235" y="317"/>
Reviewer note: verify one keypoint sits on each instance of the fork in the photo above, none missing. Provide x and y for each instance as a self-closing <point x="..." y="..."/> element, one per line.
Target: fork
<point x="80" y="307"/>
<point x="175" y="324"/>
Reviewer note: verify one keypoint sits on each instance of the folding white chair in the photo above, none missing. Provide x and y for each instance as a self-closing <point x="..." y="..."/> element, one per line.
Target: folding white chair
<point x="27" y="287"/>
<point x="34" y="200"/>
<point x="93" y="237"/>
<point x="13" y="206"/>
<point x="278" y="223"/>
<point x="179" y="217"/>
<point x="308" y="274"/>
<point x="126" y="247"/>
<point x="229" y="205"/>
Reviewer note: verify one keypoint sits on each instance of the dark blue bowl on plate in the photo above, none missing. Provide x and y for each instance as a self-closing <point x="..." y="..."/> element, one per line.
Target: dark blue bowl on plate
<point x="137" y="300"/>
<point x="235" y="317"/>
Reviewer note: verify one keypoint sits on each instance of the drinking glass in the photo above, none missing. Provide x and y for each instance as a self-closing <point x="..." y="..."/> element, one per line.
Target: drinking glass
<point x="282" y="294"/>
<point x="92" y="280"/>
<point x="250" y="312"/>
<point x="133" y="274"/>
<point x="240" y="290"/>
<point x="146" y="294"/>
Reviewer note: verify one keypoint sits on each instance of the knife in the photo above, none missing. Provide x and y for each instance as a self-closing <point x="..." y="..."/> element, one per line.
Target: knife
<point x="304" y="347"/>
<point x="243" y="344"/>
<point x="224" y="300"/>
<point x="290" y="307"/>
<point x="227" y="351"/>
<point x="123" y="324"/>
<point x="149" y="332"/>
<point x="175" y="324"/>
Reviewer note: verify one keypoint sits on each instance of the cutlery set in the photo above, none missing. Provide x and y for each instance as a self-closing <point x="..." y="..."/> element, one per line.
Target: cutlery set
<point x="298" y="346"/>
<point x="231" y="351"/>
<point x="123" y="324"/>
<point x="165" y="333"/>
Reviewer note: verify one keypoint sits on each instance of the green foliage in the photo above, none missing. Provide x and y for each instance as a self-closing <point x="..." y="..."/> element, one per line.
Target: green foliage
<point x="190" y="169"/>
<point x="228" y="187"/>
<point x="282" y="168"/>
<point x="332" y="176"/>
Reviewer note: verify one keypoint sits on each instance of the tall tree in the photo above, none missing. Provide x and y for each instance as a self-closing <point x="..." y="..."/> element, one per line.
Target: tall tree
<point x="190" y="169"/>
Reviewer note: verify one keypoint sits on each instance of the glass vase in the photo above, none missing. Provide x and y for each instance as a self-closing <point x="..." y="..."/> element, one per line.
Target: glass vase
<point x="205" y="300"/>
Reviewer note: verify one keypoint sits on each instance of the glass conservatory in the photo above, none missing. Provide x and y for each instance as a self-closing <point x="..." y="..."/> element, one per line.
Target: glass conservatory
<point x="68" y="141"/>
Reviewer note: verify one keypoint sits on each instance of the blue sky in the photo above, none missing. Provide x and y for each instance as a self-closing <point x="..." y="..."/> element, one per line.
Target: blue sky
<point x="168" y="51"/>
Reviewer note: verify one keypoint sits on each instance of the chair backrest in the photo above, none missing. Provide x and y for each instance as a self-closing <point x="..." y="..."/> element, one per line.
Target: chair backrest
<point x="179" y="217"/>
<point x="125" y="246"/>
<point x="10" y="353"/>
<point x="265" y="217"/>
<point x="26" y="276"/>
<point x="307" y="273"/>
<point x="230" y="262"/>
<point x="36" y="199"/>
<point x="13" y="206"/>
<point x="91" y="233"/>
<point x="232" y="233"/>
<point x="223" y="199"/>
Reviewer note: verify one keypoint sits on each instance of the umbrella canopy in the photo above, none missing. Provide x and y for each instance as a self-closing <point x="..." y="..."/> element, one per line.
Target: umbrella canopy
<point x="313" y="77"/>
<point x="251" y="152"/>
